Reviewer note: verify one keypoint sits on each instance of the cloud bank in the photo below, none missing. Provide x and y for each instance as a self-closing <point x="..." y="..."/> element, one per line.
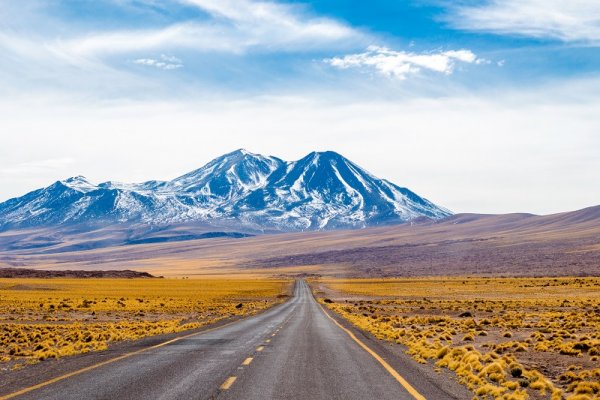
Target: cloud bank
<point x="565" y="20"/>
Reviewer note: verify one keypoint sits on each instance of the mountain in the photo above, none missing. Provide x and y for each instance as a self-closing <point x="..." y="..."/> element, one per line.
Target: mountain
<point x="252" y="192"/>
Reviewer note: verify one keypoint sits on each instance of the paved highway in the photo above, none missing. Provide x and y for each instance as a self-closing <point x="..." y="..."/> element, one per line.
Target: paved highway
<point x="293" y="351"/>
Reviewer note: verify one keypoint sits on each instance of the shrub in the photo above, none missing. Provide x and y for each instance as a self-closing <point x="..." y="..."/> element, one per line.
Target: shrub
<point x="516" y="371"/>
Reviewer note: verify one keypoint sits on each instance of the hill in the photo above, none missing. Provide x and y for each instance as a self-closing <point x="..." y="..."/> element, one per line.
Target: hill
<point x="566" y="244"/>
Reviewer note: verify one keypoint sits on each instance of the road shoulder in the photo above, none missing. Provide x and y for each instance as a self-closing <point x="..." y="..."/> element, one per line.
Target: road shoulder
<point x="31" y="375"/>
<point x="432" y="385"/>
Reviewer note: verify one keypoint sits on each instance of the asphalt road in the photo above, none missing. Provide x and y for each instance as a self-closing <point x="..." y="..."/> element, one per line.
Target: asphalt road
<point x="293" y="351"/>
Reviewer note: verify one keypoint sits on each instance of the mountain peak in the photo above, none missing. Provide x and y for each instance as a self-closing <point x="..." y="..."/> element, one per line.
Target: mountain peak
<point x="244" y="152"/>
<point x="239" y="152"/>
<point x="235" y="172"/>
<point x="236" y="156"/>
<point x="78" y="178"/>
<point x="79" y="183"/>
<point x="328" y="154"/>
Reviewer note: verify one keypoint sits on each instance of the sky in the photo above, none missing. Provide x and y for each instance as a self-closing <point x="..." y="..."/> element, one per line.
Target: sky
<point x="489" y="106"/>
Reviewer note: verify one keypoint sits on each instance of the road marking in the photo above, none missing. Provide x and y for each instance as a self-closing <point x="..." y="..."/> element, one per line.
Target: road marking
<point x="103" y="363"/>
<point x="413" y="392"/>
<point x="260" y="348"/>
<point x="247" y="361"/>
<point x="227" y="384"/>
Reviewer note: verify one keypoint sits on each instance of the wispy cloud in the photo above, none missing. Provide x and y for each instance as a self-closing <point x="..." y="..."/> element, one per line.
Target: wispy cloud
<point x="234" y="26"/>
<point x="401" y="64"/>
<point x="46" y="50"/>
<point x="568" y="21"/>
<point x="163" y="62"/>
<point x="264" y="18"/>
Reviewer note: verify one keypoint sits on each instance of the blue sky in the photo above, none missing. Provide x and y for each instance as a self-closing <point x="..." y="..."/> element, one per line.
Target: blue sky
<point x="485" y="106"/>
<point x="251" y="47"/>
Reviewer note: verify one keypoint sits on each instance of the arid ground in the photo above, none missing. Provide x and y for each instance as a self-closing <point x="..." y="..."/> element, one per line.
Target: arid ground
<point x="505" y="305"/>
<point x="514" y="338"/>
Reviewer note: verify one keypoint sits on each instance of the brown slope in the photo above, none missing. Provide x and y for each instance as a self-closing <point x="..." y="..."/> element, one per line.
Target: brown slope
<point x="510" y="244"/>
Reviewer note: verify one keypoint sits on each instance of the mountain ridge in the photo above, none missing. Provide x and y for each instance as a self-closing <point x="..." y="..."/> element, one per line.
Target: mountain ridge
<point x="320" y="191"/>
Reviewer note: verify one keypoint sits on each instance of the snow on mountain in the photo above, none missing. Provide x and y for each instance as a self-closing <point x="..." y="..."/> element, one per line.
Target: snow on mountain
<point x="228" y="175"/>
<point x="79" y="183"/>
<point x="323" y="190"/>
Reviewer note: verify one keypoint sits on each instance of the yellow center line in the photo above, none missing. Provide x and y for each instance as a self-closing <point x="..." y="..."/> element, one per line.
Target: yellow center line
<point x="227" y="384"/>
<point x="413" y="392"/>
<point x="260" y="348"/>
<point x="247" y="361"/>
<point x="103" y="363"/>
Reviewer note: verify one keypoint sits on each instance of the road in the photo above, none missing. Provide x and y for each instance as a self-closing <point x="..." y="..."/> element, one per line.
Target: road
<point x="293" y="351"/>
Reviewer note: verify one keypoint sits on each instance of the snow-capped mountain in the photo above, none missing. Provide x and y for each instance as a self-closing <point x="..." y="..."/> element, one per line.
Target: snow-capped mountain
<point x="320" y="191"/>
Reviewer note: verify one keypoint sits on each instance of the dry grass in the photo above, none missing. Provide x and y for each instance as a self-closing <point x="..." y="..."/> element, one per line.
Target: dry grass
<point x="513" y="338"/>
<point x="51" y="318"/>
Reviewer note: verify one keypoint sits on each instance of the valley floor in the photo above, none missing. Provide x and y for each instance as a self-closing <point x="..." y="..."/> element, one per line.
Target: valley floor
<point x="295" y="350"/>
<point x="401" y="338"/>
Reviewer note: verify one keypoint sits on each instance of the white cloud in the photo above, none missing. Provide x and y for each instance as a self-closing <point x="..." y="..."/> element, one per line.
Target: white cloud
<point x="163" y="62"/>
<point x="235" y="26"/>
<point x="565" y="20"/>
<point x="264" y="18"/>
<point x="401" y="64"/>
<point x="182" y="35"/>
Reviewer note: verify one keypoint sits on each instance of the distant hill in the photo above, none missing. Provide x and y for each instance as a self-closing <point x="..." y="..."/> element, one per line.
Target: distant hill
<point x="37" y="273"/>
<point x="239" y="191"/>
<point x="565" y="244"/>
